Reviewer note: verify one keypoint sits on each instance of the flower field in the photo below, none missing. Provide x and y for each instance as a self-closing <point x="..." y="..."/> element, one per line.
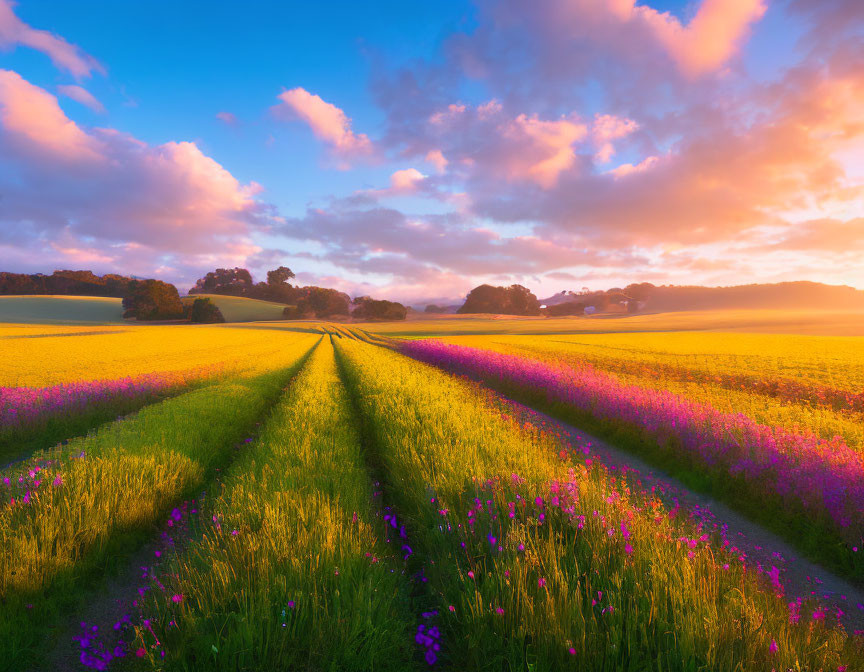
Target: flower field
<point x="317" y="497"/>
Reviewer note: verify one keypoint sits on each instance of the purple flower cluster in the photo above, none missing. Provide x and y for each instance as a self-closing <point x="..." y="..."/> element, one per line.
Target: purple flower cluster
<point x="825" y="477"/>
<point x="23" y="406"/>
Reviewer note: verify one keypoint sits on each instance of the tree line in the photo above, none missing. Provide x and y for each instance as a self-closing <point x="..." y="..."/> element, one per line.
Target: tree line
<point x="157" y="300"/>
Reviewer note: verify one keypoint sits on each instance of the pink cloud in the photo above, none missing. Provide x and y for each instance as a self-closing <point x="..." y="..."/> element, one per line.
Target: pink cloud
<point x="544" y="149"/>
<point x="406" y="181"/>
<point x="437" y="159"/>
<point x="81" y="95"/>
<point x="101" y="195"/>
<point x="34" y="122"/>
<point x="66" y="56"/>
<point x="703" y="45"/>
<point x="521" y="148"/>
<point x="606" y="128"/>
<point x="328" y="122"/>
<point x="227" y="118"/>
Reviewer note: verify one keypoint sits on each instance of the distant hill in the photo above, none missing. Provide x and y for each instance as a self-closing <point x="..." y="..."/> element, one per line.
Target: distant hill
<point x="104" y="310"/>
<point x="61" y="310"/>
<point x="783" y="295"/>
<point x="241" y="309"/>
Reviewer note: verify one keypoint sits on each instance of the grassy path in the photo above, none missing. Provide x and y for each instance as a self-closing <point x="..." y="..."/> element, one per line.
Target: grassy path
<point x="99" y="498"/>
<point x="298" y="571"/>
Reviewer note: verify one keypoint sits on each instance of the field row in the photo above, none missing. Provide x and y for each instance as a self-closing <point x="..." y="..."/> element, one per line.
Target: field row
<point x="385" y="517"/>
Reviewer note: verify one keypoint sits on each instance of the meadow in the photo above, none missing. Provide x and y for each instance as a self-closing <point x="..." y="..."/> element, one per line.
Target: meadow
<point x="311" y="496"/>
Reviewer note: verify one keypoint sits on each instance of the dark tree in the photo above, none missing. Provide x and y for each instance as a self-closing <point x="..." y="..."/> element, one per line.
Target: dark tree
<point x="152" y="300"/>
<point x="485" y="299"/>
<point x="203" y="310"/>
<point x="321" y="302"/>
<point x="513" y="300"/>
<point x="78" y="283"/>
<point x="370" y="309"/>
<point x="566" y="308"/>
<point x="226" y="281"/>
<point x="522" y="301"/>
<point x="279" y="276"/>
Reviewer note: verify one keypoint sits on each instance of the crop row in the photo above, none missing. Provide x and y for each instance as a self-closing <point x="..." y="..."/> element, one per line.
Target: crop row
<point x="66" y="512"/>
<point x="545" y="564"/>
<point x="294" y="571"/>
<point x="813" y="486"/>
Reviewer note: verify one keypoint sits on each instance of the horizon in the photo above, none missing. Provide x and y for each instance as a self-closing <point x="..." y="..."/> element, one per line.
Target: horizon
<point x="584" y="143"/>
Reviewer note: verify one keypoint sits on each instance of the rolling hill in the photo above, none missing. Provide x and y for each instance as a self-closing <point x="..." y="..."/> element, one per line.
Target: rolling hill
<point x="61" y="310"/>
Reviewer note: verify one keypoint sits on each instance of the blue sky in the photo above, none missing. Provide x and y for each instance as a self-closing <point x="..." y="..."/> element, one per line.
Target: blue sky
<point x="581" y="142"/>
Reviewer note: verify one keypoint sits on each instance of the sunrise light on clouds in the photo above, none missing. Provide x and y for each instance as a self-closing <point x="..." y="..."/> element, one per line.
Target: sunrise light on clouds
<point x="414" y="152"/>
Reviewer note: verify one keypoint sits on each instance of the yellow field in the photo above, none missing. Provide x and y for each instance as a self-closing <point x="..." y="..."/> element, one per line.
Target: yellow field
<point x="38" y="362"/>
<point x="774" y="378"/>
<point x="814" y="322"/>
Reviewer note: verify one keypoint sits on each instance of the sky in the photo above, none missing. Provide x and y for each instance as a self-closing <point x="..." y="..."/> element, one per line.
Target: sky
<point x="412" y="151"/>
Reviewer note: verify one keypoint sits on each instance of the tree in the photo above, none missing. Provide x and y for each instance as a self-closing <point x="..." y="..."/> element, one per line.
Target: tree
<point x="204" y="311"/>
<point x="321" y="302"/>
<point x="521" y="301"/>
<point x="370" y="309"/>
<point x="226" y="281"/>
<point x="79" y="283"/>
<point x="566" y="308"/>
<point x="152" y="300"/>
<point x="485" y="299"/>
<point x="513" y="300"/>
<point x="279" y="276"/>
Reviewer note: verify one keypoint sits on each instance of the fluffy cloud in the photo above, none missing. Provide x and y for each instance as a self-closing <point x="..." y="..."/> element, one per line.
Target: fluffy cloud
<point x="65" y="56"/>
<point x="705" y="44"/>
<point x="99" y="194"/>
<point x="328" y="122"/>
<point x="387" y="241"/>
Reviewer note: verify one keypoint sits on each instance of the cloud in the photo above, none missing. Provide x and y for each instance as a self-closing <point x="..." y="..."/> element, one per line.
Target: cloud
<point x="81" y="95"/>
<point x="328" y="122"/>
<point x="227" y="118"/>
<point x="484" y="139"/>
<point x="437" y="159"/>
<point x="63" y="55"/>
<point x="33" y="122"/>
<point x="406" y="181"/>
<point x="606" y="128"/>
<point x="828" y="235"/>
<point x="706" y="43"/>
<point x="101" y="194"/>
<point x="385" y="240"/>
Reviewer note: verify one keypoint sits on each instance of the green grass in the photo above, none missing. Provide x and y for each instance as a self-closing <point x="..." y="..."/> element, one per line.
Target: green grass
<point x="241" y="309"/>
<point x="674" y="606"/>
<point x="114" y="486"/>
<point x="296" y="526"/>
<point x="60" y="310"/>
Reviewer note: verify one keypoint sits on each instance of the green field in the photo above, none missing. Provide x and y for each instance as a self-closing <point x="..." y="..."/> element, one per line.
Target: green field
<point x="240" y="309"/>
<point x="60" y="310"/>
<point x="75" y="310"/>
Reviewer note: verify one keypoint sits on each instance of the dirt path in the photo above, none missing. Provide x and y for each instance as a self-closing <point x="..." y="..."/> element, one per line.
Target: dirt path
<point x="799" y="576"/>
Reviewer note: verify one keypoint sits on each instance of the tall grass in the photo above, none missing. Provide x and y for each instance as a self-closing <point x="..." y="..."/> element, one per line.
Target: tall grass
<point x="813" y="488"/>
<point x="544" y="565"/>
<point x="66" y="514"/>
<point x="294" y="573"/>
